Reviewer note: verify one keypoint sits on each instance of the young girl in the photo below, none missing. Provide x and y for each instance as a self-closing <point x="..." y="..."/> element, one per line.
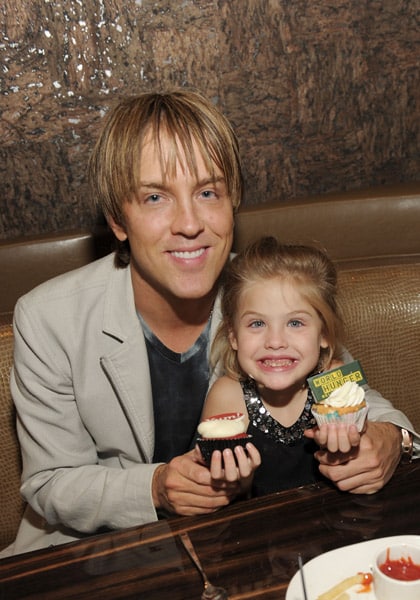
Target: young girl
<point x="280" y="325"/>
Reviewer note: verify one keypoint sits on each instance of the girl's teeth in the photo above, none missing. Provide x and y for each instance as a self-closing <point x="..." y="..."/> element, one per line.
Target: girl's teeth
<point x="277" y="363"/>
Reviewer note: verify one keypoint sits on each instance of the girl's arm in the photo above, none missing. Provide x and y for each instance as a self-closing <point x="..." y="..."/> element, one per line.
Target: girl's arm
<point x="226" y="396"/>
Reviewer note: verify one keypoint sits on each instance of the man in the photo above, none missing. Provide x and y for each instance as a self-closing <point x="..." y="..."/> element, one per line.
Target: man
<point x="111" y="360"/>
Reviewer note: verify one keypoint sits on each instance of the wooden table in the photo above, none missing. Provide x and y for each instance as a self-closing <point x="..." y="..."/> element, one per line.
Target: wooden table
<point x="250" y="548"/>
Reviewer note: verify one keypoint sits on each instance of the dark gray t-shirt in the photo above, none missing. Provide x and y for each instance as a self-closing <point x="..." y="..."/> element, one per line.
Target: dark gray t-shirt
<point x="179" y="387"/>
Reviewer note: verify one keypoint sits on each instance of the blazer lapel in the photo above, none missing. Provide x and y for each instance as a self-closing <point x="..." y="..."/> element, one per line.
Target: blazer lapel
<point x="128" y="367"/>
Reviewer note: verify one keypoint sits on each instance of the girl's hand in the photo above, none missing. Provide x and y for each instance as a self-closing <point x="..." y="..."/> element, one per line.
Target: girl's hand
<point x="237" y="466"/>
<point x="335" y="437"/>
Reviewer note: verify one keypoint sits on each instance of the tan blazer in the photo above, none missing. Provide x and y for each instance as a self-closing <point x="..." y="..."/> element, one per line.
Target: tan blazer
<point x="81" y="376"/>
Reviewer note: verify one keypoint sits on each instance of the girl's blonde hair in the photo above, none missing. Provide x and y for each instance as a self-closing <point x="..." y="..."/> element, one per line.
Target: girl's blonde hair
<point x="306" y="266"/>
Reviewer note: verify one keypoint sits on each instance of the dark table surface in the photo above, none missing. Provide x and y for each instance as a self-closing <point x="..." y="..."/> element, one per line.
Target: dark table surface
<point x="250" y="548"/>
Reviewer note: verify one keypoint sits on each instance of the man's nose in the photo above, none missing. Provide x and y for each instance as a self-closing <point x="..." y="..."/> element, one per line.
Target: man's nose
<point x="187" y="219"/>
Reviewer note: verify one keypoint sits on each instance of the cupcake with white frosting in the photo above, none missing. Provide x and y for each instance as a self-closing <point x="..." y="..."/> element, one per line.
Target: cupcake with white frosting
<point x="345" y="404"/>
<point x="219" y="432"/>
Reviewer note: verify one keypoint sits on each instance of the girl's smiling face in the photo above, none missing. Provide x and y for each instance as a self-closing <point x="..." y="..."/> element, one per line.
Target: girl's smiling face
<point x="277" y="334"/>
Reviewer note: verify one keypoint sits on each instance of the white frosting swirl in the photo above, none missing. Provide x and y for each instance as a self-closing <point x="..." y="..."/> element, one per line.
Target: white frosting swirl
<point x="222" y="427"/>
<point x="349" y="394"/>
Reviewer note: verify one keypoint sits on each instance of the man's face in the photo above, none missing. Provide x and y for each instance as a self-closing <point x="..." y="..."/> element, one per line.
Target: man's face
<point x="180" y="228"/>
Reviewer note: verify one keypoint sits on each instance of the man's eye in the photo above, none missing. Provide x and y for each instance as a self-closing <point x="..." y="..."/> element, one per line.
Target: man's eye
<point x="153" y="198"/>
<point x="208" y="194"/>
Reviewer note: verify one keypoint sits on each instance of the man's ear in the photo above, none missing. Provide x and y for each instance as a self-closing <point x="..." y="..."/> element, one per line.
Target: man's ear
<point x="118" y="230"/>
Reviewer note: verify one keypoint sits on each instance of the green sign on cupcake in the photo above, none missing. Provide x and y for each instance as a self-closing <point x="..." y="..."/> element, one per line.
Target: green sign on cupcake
<point x="323" y="384"/>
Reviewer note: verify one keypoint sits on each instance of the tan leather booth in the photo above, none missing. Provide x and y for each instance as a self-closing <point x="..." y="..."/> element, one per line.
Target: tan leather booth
<point x="365" y="224"/>
<point x="374" y="237"/>
<point x="11" y="504"/>
<point x="27" y="261"/>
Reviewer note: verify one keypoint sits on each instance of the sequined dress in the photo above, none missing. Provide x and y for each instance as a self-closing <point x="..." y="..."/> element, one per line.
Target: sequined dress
<point x="287" y="456"/>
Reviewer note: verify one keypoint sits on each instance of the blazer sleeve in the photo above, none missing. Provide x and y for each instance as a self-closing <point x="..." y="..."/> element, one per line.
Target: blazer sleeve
<point x="64" y="478"/>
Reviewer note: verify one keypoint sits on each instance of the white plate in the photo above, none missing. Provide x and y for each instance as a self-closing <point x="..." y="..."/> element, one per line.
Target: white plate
<point x="325" y="571"/>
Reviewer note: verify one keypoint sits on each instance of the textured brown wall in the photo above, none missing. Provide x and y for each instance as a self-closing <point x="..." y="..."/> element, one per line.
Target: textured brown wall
<point x="323" y="95"/>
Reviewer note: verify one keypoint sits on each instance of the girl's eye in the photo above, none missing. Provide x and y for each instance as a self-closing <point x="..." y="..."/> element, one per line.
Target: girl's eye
<point x="257" y="323"/>
<point x="295" y="323"/>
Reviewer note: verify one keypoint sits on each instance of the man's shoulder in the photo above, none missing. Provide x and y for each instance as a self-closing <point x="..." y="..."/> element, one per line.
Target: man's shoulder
<point x="89" y="279"/>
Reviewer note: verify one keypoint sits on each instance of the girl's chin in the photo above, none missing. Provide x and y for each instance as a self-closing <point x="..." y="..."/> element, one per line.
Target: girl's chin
<point x="281" y="384"/>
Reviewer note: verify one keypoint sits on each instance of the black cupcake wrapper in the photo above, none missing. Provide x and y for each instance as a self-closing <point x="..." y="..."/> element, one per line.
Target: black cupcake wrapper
<point x="207" y="446"/>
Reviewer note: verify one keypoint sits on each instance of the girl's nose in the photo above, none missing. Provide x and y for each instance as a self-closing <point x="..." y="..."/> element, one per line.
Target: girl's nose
<point x="276" y="338"/>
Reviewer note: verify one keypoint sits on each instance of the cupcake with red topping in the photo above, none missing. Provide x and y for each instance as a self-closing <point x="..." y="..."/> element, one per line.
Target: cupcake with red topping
<point x="219" y="432"/>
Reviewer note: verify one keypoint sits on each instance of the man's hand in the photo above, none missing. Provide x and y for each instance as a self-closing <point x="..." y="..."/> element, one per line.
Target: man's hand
<point x="185" y="487"/>
<point x="366" y="468"/>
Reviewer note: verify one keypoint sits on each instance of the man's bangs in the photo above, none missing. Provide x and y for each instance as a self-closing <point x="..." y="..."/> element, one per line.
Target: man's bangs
<point x="181" y="148"/>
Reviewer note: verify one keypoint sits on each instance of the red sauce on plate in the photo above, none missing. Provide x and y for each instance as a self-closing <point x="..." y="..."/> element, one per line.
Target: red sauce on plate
<point x="403" y="569"/>
<point x="366" y="584"/>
